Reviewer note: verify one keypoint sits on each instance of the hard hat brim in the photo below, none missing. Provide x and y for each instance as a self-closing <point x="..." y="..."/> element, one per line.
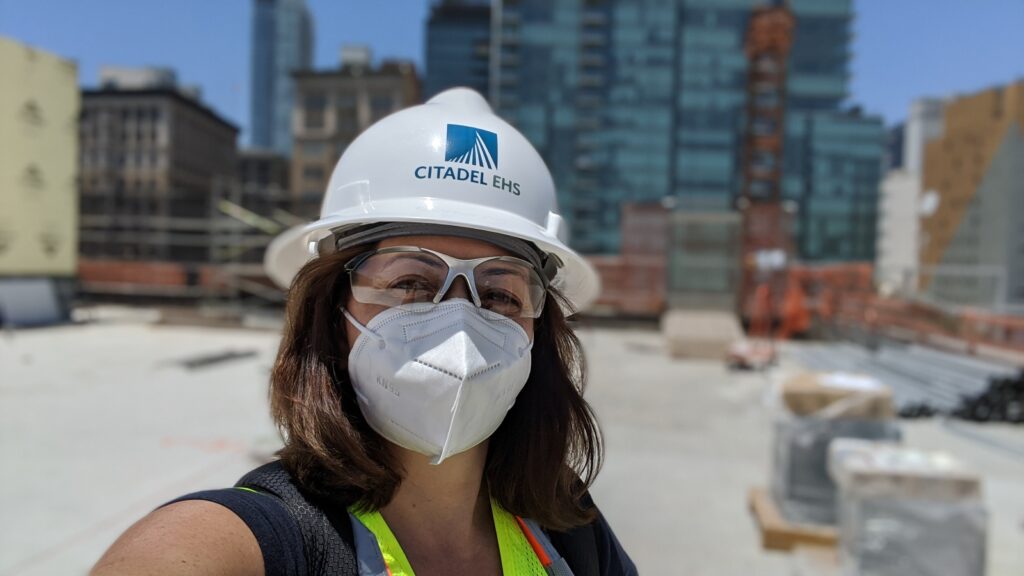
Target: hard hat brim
<point x="577" y="279"/>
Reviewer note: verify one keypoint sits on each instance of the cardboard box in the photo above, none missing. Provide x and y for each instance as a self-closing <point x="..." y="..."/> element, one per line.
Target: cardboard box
<point x="837" y="395"/>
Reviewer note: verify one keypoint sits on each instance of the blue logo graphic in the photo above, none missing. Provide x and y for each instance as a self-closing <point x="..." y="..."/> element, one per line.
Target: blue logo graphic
<point x="468" y="145"/>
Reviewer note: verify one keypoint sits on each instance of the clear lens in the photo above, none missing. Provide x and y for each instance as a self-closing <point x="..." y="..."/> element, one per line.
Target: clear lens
<point x="507" y="286"/>
<point x="398" y="278"/>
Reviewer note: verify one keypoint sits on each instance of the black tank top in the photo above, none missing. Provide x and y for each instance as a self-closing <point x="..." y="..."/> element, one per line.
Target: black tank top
<point x="299" y="536"/>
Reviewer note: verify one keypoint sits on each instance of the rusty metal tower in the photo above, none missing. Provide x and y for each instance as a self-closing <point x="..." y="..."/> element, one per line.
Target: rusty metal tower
<point x="766" y="237"/>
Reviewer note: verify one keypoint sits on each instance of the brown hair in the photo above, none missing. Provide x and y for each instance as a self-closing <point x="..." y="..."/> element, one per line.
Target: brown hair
<point x="540" y="461"/>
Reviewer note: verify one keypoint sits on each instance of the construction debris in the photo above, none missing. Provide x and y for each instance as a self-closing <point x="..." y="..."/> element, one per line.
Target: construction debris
<point x="917" y="374"/>
<point x="751" y="354"/>
<point x="207" y="360"/>
<point x="1002" y="401"/>
<point x="918" y="410"/>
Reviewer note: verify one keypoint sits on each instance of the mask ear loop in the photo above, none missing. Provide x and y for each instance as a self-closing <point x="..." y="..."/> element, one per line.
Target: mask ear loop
<point x="363" y="329"/>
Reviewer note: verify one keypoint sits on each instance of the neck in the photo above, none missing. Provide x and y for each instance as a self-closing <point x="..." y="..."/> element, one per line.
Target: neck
<point x="451" y="494"/>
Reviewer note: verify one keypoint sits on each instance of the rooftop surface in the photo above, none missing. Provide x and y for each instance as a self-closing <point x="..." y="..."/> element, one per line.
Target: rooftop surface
<point x="102" y="421"/>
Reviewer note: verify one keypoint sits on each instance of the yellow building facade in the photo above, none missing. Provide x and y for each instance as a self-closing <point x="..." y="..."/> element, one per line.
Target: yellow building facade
<point x="39" y="106"/>
<point x="974" y="174"/>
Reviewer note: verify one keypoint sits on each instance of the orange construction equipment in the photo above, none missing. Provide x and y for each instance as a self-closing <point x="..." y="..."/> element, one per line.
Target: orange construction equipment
<point x="795" y="317"/>
<point x="757" y="350"/>
<point x="767" y="244"/>
<point x="824" y="289"/>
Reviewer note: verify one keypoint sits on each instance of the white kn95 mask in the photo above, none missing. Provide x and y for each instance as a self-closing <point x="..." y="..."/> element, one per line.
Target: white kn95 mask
<point x="438" y="381"/>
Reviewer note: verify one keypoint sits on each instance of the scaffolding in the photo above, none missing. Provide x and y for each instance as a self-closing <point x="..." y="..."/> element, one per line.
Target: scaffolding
<point x="766" y="245"/>
<point x="210" y="252"/>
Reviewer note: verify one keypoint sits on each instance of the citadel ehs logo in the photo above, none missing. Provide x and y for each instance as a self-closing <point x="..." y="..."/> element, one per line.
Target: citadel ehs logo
<point x="468" y="145"/>
<point x="475" y="147"/>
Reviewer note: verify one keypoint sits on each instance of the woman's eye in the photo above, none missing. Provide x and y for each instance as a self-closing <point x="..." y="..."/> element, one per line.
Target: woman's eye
<point x="502" y="299"/>
<point x="410" y="284"/>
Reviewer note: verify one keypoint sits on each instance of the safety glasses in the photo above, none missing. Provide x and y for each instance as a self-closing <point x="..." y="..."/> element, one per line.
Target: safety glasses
<point x="410" y="277"/>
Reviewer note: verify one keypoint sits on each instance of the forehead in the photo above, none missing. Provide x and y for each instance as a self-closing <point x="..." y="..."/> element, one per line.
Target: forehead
<point x="465" y="248"/>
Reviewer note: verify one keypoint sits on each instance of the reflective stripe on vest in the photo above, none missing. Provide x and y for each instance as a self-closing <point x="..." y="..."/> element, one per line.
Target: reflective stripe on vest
<point x="377" y="549"/>
<point x="524" y="548"/>
<point x="554" y="564"/>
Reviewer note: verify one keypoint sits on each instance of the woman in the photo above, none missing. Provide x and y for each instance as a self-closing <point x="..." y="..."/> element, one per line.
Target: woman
<point x="427" y="385"/>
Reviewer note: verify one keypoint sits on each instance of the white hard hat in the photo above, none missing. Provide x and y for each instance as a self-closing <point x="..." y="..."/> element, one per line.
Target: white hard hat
<point x="450" y="161"/>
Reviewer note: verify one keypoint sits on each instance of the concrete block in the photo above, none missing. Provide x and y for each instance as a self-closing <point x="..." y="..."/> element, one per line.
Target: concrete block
<point x="700" y="333"/>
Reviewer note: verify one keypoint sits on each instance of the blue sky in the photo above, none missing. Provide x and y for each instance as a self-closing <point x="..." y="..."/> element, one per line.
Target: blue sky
<point x="903" y="49"/>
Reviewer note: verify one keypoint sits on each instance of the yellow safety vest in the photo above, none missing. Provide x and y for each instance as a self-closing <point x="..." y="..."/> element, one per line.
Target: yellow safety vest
<point x="521" y="554"/>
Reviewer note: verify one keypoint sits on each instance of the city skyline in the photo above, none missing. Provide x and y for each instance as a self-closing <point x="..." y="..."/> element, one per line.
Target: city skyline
<point x="644" y="107"/>
<point x="890" y="67"/>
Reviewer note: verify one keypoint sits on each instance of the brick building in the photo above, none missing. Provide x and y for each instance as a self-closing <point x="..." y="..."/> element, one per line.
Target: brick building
<point x="331" y="108"/>
<point x="150" y="159"/>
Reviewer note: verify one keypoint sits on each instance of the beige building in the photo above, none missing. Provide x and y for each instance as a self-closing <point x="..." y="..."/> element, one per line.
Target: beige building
<point x="972" y="241"/>
<point x="900" y="202"/>
<point x="331" y="108"/>
<point x="39" y="105"/>
<point x="897" y="231"/>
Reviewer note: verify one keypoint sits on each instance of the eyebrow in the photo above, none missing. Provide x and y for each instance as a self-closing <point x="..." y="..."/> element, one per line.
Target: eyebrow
<point x="505" y="271"/>
<point x="427" y="259"/>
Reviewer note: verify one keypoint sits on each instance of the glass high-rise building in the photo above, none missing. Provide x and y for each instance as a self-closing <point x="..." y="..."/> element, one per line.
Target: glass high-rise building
<point x="458" y="46"/>
<point x="282" y="42"/>
<point x="644" y="100"/>
<point x="842" y="154"/>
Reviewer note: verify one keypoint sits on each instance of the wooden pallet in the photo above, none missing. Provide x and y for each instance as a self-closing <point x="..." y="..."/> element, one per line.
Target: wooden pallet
<point x="815" y="561"/>
<point x="777" y="533"/>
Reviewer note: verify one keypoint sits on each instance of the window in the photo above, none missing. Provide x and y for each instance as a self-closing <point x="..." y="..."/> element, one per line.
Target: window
<point x="313" y="107"/>
<point x="313" y="149"/>
<point x="347" y="119"/>
<point x="313" y="173"/>
<point x="33" y="177"/>
<point x="381" y="105"/>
